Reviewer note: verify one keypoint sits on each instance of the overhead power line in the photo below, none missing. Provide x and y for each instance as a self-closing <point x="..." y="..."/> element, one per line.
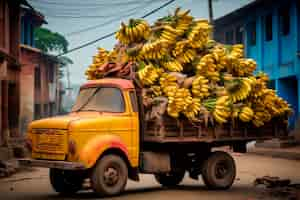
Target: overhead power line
<point x="136" y="10"/>
<point x="66" y="12"/>
<point x="86" y="4"/>
<point x="113" y="33"/>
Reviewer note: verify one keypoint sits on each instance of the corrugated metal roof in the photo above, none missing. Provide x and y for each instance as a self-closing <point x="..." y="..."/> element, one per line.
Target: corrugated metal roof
<point x="241" y="11"/>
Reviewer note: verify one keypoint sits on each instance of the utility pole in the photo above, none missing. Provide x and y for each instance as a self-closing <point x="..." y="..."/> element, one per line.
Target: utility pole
<point x="210" y="12"/>
<point x="69" y="89"/>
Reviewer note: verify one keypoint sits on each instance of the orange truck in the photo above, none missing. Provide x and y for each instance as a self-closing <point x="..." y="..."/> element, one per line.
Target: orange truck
<point x="105" y="140"/>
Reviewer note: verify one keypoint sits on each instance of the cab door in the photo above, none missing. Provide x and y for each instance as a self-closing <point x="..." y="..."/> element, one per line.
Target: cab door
<point x="134" y="124"/>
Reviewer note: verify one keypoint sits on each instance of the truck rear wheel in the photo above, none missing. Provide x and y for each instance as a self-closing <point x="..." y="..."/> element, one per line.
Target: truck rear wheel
<point x="109" y="177"/>
<point x="64" y="181"/>
<point x="219" y="171"/>
<point x="170" y="179"/>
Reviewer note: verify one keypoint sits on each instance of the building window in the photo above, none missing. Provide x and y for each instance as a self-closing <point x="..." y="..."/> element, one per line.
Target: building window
<point x="25" y="30"/>
<point x="51" y="73"/>
<point x="229" y="37"/>
<point x="252" y="33"/>
<point x="239" y="37"/>
<point x="284" y="20"/>
<point x="268" y="27"/>
<point x="37" y="77"/>
<point x="46" y="112"/>
<point x="37" y="111"/>
<point x="31" y="40"/>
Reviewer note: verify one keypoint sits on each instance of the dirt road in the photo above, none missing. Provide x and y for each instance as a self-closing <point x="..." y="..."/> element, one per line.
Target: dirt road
<point x="34" y="185"/>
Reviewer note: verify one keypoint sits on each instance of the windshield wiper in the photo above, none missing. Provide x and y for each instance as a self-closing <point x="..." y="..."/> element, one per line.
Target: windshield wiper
<point x="88" y="100"/>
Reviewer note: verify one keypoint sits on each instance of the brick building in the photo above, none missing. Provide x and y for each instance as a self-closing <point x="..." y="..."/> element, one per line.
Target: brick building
<point x="28" y="77"/>
<point x="39" y="74"/>
<point x="10" y="12"/>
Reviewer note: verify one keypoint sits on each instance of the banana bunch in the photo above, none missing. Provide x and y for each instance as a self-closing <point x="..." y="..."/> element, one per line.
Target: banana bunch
<point x="193" y="109"/>
<point x="172" y="65"/>
<point x="219" y="55"/>
<point x="154" y="50"/>
<point x="101" y="57"/>
<point x="135" y="31"/>
<point x="178" y="100"/>
<point x="167" y="81"/>
<point x="180" y="47"/>
<point x="186" y="56"/>
<point x="237" y="51"/>
<point x="245" y="67"/>
<point x="156" y="90"/>
<point x="261" y="116"/>
<point x="149" y="74"/>
<point x="239" y="89"/>
<point x="169" y="34"/>
<point x="199" y="34"/>
<point x="220" y="108"/>
<point x="274" y="104"/>
<point x="200" y="87"/>
<point x="207" y="67"/>
<point x="182" y="20"/>
<point x="246" y="114"/>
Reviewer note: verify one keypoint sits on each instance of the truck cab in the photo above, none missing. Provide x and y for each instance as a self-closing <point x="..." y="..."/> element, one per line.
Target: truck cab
<point x="103" y="121"/>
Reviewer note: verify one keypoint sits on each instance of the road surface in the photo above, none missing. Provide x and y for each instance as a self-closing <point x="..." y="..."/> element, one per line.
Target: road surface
<point x="34" y="184"/>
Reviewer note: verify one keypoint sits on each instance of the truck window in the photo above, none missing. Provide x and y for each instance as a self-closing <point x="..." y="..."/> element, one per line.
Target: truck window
<point x="104" y="100"/>
<point x="133" y="101"/>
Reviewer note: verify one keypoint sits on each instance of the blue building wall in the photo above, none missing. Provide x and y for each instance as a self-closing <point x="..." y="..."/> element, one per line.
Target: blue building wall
<point x="279" y="56"/>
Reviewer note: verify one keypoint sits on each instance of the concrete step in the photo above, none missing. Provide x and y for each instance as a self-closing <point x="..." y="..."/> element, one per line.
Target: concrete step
<point x="277" y="143"/>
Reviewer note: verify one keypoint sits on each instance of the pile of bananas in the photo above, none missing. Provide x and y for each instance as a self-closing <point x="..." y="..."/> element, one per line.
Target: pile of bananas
<point x="215" y="79"/>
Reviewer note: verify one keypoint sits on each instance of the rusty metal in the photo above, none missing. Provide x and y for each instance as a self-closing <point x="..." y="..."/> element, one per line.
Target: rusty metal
<point x="154" y="162"/>
<point x="173" y="130"/>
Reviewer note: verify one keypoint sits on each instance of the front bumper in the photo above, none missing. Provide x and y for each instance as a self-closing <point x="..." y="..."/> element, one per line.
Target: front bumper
<point x="52" y="164"/>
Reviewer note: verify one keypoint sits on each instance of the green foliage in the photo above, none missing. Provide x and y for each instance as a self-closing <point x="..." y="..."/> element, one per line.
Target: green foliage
<point x="47" y="41"/>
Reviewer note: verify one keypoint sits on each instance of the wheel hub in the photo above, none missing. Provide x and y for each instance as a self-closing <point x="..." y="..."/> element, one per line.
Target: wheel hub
<point x="221" y="170"/>
<point x="111" y="176"/>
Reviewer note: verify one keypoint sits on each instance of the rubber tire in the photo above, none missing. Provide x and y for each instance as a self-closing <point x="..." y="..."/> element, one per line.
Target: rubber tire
<point x="170" y="179"/>
<point x="65" y="182"/>
<point x="98" y="185"/>
<point x="209" y="171"/>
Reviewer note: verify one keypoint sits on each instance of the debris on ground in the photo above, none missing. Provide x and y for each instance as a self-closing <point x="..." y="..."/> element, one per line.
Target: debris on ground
<point x="279" y="188"/>
<point x="7" y="168"/>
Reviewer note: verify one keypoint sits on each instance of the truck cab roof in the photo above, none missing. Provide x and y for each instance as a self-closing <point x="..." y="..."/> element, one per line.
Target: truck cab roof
<point x="113" y="82"/>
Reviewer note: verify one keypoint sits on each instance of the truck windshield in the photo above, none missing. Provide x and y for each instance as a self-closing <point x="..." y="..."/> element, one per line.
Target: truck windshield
<point x="106" y="99"/>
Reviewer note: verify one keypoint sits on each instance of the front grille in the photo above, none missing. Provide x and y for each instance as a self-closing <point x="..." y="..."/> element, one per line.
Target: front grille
<point x="49" y="141"/>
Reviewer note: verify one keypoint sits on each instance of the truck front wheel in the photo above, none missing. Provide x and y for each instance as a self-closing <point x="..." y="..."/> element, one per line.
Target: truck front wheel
<point x="64" y="181"/>
<point x="109" y="176"/>
<point x="170" y="179"/>
<point x="219" y="171"/>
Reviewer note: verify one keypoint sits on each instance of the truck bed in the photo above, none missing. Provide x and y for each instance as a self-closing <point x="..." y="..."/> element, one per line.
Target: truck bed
<point x="183" y="131"/>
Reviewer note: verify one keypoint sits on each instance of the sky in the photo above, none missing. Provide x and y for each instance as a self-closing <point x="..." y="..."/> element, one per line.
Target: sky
<point x="83" y="21"/>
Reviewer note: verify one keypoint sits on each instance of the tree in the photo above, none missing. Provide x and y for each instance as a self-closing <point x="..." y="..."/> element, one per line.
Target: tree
<point x="48" y="41"/>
